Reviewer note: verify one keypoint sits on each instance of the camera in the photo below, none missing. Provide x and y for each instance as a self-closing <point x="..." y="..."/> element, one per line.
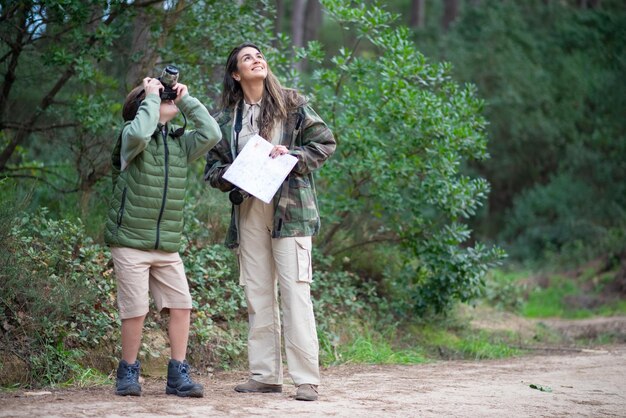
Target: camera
<point x="237" y="196"/>
<point x="168" y="78"/>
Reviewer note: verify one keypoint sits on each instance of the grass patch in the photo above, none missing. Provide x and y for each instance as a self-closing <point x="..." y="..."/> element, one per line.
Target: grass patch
<point x="574" y="295"/>
<point x="469" y="344"/>
<point x="88" y="377"/>
<point x="549" y="302"/>
<point x="578" y="297"/>
<point x="448" y="338"/>
<point x="362" y="345"/>
<point x="613" y="309"/>
<point x="365" y="349"/>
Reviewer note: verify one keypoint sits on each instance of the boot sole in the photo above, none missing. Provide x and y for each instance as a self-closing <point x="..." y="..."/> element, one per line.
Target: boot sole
<point x="259" y="391"/>
<point x="306" y="398"/>
<point x="194" y="393"/>
<point x="265" y="390"/>
<point x="128" y="392"/>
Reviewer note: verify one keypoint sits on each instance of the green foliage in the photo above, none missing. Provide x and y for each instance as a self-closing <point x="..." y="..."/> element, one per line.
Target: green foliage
<point x="474" y="345"/>
<point x="201" y="54"/>
<point x="549" y="73"/>
<point x="591" y="290"/>
<point x="573" y="296"/>
<point x="550" y="302"/>
<point x="398" y="198"/>
<point x="366" y="346"/>
<point x="218" y="333"/>
<point x="404" y="127"/>
<point x="56" y="298"/>
<point x="505" y="290"/>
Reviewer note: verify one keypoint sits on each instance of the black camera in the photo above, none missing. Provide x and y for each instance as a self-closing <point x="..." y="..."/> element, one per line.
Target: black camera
<point x="169" y="78"/>
<point x="237" y="196"/>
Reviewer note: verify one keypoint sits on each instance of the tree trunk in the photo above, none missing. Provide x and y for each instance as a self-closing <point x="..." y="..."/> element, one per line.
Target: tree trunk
<point x="588" y="4"/>
<point x="297" y="22"/>
<point x="450" y="13"/>
<point x="141" y="47"/>
<point x="24" y="131"/>
<point x="16" y="50"/>
<point x="142" y="39"/>
<point x="297" y="27"/>
<point x="26" y="128"/>
<point x="312" y="20"/>
<point x="417" y="17"/>
<point x="280" y="13"/>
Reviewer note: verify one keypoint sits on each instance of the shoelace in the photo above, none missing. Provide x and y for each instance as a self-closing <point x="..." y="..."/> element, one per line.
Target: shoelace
<point x="131" y="373"/>
<point x="183" y="369"/>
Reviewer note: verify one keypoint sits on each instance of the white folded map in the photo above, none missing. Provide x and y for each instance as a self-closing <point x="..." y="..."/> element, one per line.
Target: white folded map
<point x="256" y="172"/>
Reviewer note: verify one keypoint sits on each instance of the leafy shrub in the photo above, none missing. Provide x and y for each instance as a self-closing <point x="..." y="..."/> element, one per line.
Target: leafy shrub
<point x="404" y="129"/>
<point x="218" y="334"/>
<point x="56" y="292"/>
<point x="555" y="105"/>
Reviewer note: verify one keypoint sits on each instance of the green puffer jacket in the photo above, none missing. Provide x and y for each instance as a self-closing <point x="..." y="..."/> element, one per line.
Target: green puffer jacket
<point x="295" y="203"/>
<point x="150" y="176"/>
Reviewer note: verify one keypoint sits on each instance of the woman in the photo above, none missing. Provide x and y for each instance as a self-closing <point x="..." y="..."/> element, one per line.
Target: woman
<point x="274" y="239"/>
<point x="145" y="223"/>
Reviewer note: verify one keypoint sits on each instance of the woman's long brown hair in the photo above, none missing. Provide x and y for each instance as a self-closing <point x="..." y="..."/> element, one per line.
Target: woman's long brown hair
<point x="277" y="100"/>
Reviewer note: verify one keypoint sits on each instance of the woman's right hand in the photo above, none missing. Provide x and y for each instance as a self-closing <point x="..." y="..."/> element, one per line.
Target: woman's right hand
<point x="152" y="85"/>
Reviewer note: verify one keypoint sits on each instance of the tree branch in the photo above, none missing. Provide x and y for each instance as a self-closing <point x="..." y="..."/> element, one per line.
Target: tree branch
<point x="17" y="126"/>
<point x="40" y="179"/>
<point x="8" y="13"/>
<point x="364" y="243"/>
<point x="46" y="170"/>
<point x="16" y="50"/>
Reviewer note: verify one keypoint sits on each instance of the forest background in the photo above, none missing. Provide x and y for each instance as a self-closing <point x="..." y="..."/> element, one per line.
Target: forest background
<point x="479" y="143"/>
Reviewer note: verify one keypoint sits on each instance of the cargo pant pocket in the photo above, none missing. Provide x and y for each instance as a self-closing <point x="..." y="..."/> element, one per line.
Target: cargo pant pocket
<point x="303" y="259"/>
<point x="242" y="276"/>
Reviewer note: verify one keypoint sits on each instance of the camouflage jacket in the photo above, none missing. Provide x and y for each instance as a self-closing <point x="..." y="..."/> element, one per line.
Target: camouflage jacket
<point x="295" y="203"/>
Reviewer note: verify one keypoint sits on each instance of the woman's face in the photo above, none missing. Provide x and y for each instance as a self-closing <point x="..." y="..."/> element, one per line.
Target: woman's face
<point x="251" y="65"/>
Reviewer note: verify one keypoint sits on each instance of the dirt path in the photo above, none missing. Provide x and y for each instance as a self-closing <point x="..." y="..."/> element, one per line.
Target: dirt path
<point x="586" y="383"/>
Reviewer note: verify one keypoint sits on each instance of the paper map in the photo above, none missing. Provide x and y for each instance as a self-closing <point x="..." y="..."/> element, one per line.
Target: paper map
<point x="256" y="172"/>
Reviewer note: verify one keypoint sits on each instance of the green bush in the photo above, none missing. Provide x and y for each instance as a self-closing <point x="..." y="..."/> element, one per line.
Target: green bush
<point x="405" y="129"/>
<point x="56" y="295"/>
<point x="218" y="333"/>
<point x="549" y="73"/>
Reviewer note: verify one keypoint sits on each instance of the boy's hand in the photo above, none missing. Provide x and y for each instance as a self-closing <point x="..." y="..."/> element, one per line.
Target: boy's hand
<point x="181" y="90"/>
<point x="152" y="85"/>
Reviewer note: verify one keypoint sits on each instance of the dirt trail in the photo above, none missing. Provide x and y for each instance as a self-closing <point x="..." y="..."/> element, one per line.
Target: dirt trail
<point x="585" y="383"/>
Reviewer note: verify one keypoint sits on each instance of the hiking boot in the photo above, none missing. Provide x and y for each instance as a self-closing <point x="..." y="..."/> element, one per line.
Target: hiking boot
<point x="128" y="379"/>
<point x="179" y="383"/>
<point x="254" y="386"/>
<point x="307" y="392"/>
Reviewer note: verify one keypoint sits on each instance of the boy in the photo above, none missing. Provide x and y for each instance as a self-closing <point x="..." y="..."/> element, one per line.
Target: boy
<point x="145" y="222"/>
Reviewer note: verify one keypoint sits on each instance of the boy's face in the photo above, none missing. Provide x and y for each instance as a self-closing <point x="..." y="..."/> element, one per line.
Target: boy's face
<point x="167" y="111"/>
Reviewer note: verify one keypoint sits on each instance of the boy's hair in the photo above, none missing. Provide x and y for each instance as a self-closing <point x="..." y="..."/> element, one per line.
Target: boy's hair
<point x="132" y="102"/>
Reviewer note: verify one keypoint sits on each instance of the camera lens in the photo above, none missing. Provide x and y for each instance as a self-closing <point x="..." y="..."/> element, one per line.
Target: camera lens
<point x="235" y="197"/>
<point x="171" y="69"/>
<point x="169" y="77"/>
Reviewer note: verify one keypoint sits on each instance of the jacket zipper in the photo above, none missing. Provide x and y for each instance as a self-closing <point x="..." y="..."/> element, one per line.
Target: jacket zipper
<point x="167" y="157"/>
<point x="120" y="212"/>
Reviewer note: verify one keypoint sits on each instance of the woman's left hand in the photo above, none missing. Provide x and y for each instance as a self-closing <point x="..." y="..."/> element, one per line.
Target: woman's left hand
<point x="279" y="150"/>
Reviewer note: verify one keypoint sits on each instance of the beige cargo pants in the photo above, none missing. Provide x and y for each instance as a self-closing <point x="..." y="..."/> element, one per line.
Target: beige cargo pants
<point x="264" y="261"/>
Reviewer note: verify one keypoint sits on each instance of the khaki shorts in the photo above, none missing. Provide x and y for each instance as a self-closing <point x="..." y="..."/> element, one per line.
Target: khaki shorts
<point x="159" y="273"/>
